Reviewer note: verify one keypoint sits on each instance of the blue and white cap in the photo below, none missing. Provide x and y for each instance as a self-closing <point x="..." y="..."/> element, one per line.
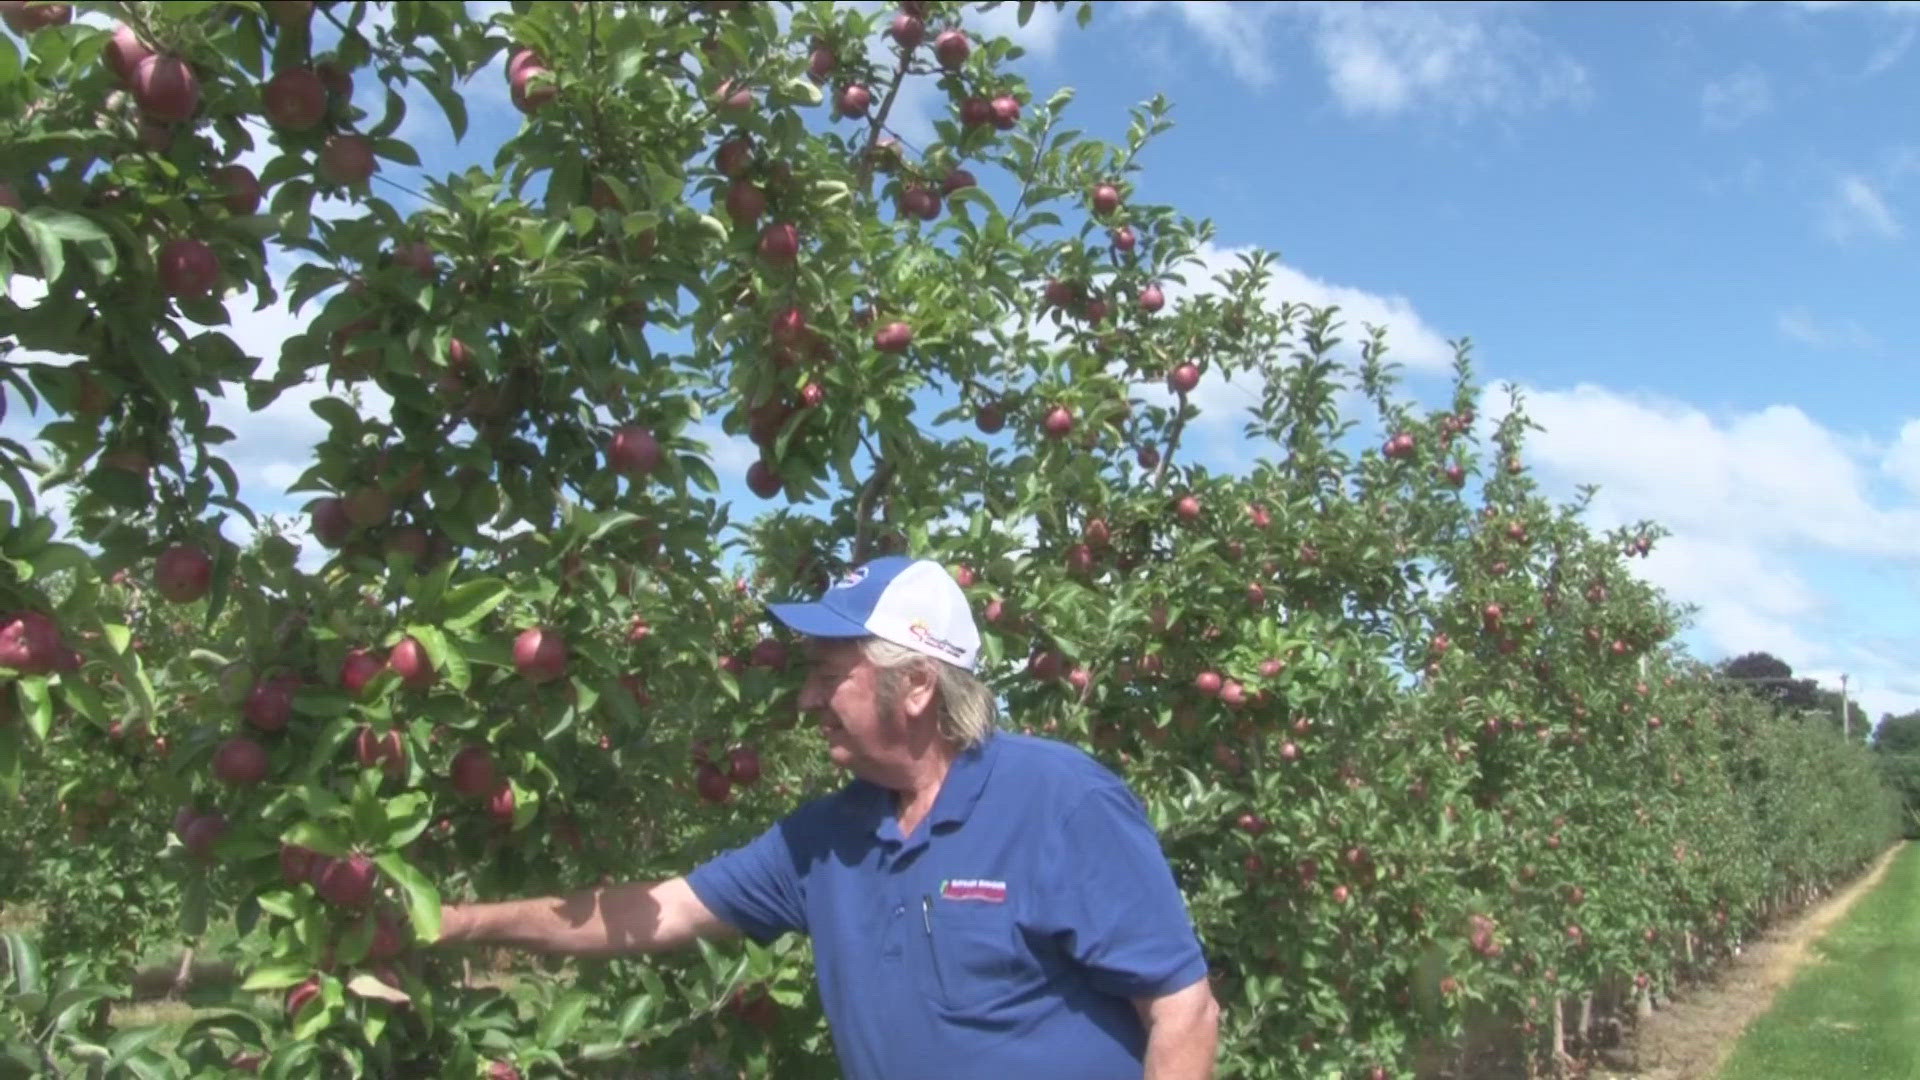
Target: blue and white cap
<point x="913" y="603"/>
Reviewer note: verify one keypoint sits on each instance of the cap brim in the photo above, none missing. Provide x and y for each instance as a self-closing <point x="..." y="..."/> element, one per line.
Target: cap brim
<point x="817" y="620"/>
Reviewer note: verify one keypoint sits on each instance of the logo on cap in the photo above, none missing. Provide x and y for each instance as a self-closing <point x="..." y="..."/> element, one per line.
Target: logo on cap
<point x="854" y="577"/>
<point x="920" y="630"/>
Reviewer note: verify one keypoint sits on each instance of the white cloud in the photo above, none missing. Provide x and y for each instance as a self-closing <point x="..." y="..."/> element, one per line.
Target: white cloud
<point x="1040" y="37"/>
<point x="1457" y="58"/>
<point x="1855" y="209"/>
<point x="1797" y="325"/>
<point x="1727" y="103"/>
<point x="1758" y="504"/>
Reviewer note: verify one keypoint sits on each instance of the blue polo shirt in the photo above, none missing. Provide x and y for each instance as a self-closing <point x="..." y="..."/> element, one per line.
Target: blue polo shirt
<point x="1006" y="938"/>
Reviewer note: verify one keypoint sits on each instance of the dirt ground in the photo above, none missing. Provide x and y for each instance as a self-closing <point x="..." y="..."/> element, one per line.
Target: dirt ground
<point x="1691" y="1037"/>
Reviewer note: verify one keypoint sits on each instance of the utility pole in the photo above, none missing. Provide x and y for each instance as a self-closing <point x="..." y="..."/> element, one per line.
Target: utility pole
<point x="1846" y="714"/>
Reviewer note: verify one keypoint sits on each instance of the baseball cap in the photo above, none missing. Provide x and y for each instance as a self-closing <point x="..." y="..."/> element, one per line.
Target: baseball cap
<point x="911" y="602"/>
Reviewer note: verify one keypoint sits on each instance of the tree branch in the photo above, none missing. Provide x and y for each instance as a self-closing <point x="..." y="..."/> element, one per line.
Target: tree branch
<point x="879" y="122"/>
<point x="870" y="493"/>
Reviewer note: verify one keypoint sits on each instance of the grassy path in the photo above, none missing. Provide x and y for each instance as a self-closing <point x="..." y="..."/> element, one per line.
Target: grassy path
<point x="1854" y="1010"/>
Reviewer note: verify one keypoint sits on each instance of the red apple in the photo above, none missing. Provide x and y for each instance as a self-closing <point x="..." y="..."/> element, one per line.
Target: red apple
<point x="780" y="244"/>
<point x="296" y="863"/>
<point x="735" y="157"/>
<point x="821" y="62"/>
<point x="187" y="268"/>
<point x="789" y="326"/>
<point x="893" y="337"/>
<point x="712" y="784"/>
<point x="203" y="831"/>
<point x="854" y="100"/>
<point x="240" y="187"/>
<point x="531" y="87"/>
<point x="124" y="52"/>
<point x="358" y="669"/>
<point x="183" y="573"/>
<point x="908" y="31"/>
<point x="165" y="88"/>
<point x="1106" y="199"/>
<point x="1123" y="238"/>
<point x="1182" y="379"/>
<point x="330" y="523"/>
<point x="346" y="160"/>
<point x="951" y="49"/>
<point x="540" y="654"/>
<point x="269" y="705"/>
<point x="1152" y="299"/>
<point x="762" y="480"/>
<point x="346" y="882"/>
<point x="977" y="112"/>
<point x="368" y="505"/>
<point x="1208" y="683"/>
<point x="385" y="749"/>
<point x="240" y="762"/>
<point x="990" y="418"/>
<point x="745" y="201"/>
<point x="1188" y="507"/>
<point x="1059" y="422"/>
<point x="294" y="99"/>
<point x="500" y="804"/>
<point x="472" y="772"/>
<point x="743" y="766"/>
<point x="1006" y="111"/>
<point x="633" y="451"/>
<point x="956" y="180"/>
<point x="409" y="660"/>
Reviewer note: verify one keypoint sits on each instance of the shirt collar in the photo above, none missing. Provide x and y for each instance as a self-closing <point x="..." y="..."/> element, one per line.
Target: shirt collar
<point x="959" y="792"/>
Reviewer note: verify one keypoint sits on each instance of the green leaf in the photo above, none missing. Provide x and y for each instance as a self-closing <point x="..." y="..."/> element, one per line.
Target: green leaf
<point x="46" y="248"/>
<point x="395" y="150"/>
<point x="39" y="705"/>
<point x="277" y="977"/>
<point x="562" y="1018"/>
<point x="452" y="104"/>
<point x="423" y="900"/>
<point x="317" y="836"/>
<point x="23" y="963"/>
<point x="472" y="601"/>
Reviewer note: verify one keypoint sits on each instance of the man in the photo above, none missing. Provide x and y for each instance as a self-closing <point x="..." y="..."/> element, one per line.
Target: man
<point x="982" y="904"/>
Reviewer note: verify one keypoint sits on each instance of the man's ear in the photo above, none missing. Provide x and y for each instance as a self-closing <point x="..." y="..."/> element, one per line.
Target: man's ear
<point x="920" y="683"/>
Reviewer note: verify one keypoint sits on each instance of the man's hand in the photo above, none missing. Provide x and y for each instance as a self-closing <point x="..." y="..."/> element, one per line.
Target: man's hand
<point x="613" y="921"/>
<point x="1183" y="1032"/>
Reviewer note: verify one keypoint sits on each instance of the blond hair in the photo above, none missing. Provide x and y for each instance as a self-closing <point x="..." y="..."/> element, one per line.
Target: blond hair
<point x="966" y="705"/>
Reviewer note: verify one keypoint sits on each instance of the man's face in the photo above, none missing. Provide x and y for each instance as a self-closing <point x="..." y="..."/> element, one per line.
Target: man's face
<point x="842" y="692"/>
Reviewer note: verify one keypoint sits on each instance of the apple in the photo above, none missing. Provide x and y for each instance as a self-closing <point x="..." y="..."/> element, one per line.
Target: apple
<point x="531" y="86"/>
<point x="743" y="766"/>
<point x="199" y="832"/>
<point x="358" y="669"/>
<point x="124" y="51"/>
<point x="346" y="160"/>
<point x="1059" y="422"/>
<point x="1152" y="299"/>
<point x="23" y="18"/>
<point x="1252" y="824"/>
<point x="29" y="643"/>
<point x="240" y="762"/>
<point x="1187" y="507"/>
<point x="733" y="98"/>
<point x="389" y="936"/>
<point x="991" y="418"/>
<point x="769" y="653"/>
<point x="1095" y="310"/>
<point x="1123" y="238"/>
<point x="762" y="480"/>
<point x="745" y="202"/>
<point x="780" y="244"/>
<point x="789" y="326"/>
<point x="1006" y="111"/>
<point x="1183" y="379"/>
<point x="331" y="525"/>
<point x="187" y="267"/>
<point x="500" y="804"/>
<point x="165" y="88"/>
<point x="907" y="31"/>
<point x="821" y="62"/>
<point x="540" y="654"/>
<point x="812" y="394"/>
<point x="183" y="573"/>
<point x="269" y="705"/>
<point x="976" y="112"/>
<point x="956" y="180"/>
<point x="472" y="772"/>
<point x="296" y="863"/>
<point x="1045" y="664"/>
<point x="854" y="100"/>
<point x="735" y="157"/>
<point x="1456" y="476"/>
<point x="346" y="882"/>
<point x="386" y="749"/>
<point x="1208" y="683"/>
<point x="893" y="337"/>
<point x="240" y="187"/>
<point x="1491" y="616"/>
<point x="1289" y="751"/>
<point x="1106" y="199"/>
<point x="1080" y="559"/>
<point x="712" y="784"/>
<point x="951" y="48"/>
<point x="417" y="256"/>
<point x="294" y="99"/>
<point x="1399" y="446"/>
<point x="633" y="451"/>
<point x="409" y="660"/>
<point x="368" y="505"/>
<point x="1148" y="457"/>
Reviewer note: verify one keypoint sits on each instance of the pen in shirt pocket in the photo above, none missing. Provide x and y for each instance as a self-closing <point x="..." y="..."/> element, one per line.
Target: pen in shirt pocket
<point x="926" y="912"/>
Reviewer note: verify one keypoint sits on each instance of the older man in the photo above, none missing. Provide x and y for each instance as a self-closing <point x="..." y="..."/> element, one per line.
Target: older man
<point x="981" y="903"/>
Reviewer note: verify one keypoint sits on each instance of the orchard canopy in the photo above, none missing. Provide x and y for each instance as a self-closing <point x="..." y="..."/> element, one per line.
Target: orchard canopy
<point x="1420" y="745"/>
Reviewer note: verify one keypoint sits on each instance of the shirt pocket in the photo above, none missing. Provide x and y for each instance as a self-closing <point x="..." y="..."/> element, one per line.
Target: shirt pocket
<point x="974" y="953"/>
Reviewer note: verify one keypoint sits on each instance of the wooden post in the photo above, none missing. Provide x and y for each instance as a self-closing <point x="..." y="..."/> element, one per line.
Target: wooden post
<point x="1559" y="1038"/>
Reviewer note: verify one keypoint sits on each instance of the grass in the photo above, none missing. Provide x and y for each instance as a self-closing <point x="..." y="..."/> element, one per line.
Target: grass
<point x="1855" y="1011"/>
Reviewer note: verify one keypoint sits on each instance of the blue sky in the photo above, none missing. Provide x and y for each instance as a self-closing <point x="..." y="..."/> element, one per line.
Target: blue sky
<point x="1685" y="230"/>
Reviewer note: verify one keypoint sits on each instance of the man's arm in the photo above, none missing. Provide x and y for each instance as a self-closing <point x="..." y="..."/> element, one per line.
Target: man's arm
<point x="1183" y="1030"/>
<point x="618" y="919"/>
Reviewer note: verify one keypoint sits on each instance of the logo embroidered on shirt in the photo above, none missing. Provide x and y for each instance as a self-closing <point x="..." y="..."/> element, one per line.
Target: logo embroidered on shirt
<point x="987" y="892"/>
